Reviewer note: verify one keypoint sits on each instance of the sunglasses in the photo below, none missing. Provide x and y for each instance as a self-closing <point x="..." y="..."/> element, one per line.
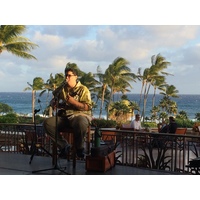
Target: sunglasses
<point x="69" y="75"/>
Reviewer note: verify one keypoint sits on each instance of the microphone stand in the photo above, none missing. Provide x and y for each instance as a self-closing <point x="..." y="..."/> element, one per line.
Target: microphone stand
<point x="36" y="144"/>
<point x="56" y="167"/>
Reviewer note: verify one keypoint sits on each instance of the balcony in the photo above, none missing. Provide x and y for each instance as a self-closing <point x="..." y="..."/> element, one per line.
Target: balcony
<point x="136" y="153"/>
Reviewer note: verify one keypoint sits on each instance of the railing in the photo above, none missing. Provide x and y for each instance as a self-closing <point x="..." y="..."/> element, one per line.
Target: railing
<point x="171" y="152"/>
<point x="22" y="138"/>
<point x="159" y="151"/>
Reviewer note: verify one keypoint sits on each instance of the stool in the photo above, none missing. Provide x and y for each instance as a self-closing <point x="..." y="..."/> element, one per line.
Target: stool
<point x="68" y="134"/>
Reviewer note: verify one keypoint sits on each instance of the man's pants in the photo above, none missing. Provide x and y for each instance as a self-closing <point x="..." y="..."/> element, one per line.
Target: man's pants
<point x="78" y="123"/>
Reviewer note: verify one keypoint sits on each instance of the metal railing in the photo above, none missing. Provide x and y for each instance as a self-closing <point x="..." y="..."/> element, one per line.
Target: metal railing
<point x="161" y="151"/>
<point x="23" y="138"/>
<point x="158" y="151"/>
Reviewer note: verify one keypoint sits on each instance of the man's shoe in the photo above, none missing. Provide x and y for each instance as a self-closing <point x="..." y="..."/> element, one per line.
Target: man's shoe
<point x="80" y="153"/>
<point x="63" y="153"/>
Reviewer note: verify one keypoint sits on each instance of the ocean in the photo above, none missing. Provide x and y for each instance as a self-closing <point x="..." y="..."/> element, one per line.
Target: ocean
<point x="21" y="102"/>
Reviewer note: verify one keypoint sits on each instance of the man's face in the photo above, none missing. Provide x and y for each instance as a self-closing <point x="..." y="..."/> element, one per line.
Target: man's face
<point x="137" y="117"/>
<point x="70" y="78"/>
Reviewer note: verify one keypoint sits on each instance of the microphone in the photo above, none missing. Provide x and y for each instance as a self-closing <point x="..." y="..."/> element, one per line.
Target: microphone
<point x="58" y="90"/>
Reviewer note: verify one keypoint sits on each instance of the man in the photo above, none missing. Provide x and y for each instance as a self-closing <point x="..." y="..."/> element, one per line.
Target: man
<point x="171" y="127"/>
<point x="136" y="124"/>
<point x="74" y="101"/>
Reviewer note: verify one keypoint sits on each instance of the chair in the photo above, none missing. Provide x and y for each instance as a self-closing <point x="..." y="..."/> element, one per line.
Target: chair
<point x="68" y="135"/>
<point x="126" y="127"/>
<point x="181" y="131"/>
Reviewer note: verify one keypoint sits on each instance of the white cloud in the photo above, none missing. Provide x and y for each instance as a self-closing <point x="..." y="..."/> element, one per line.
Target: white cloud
<point x="92" y="46"/>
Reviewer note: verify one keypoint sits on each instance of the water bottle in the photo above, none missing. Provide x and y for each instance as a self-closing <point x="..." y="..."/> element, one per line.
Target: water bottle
<point x="97" y="137"/>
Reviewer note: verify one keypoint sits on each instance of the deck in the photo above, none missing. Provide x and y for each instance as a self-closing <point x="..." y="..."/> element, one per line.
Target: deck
<point x="17" y="146"/>
<point x="18" y="164"/>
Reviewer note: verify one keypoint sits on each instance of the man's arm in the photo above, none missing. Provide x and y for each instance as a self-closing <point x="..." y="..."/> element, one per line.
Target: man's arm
<point x="77" y="104"/>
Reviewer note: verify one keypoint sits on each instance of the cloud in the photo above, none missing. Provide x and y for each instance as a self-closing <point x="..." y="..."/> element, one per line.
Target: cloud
<point x="92" y="46"/>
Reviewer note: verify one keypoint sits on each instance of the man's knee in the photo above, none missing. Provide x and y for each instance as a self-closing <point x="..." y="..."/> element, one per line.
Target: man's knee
<point x="80" y="122"/>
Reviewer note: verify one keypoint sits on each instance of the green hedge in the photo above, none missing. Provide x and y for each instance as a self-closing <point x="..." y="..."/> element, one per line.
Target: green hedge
<point x="14" y="118"/>
<point x="180" y="123"/>
<point x="103" y="123"/>
<point x="186" y="123"/>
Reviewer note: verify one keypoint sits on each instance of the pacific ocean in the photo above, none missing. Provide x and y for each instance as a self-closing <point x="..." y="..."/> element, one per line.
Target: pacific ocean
<point x="21" y="102"/>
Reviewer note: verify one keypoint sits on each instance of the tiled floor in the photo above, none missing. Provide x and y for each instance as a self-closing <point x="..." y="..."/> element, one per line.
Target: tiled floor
<point x="18" y="164"/>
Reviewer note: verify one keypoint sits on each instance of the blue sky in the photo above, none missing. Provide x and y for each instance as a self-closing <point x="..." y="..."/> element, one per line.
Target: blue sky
<point x="94" y="44"/>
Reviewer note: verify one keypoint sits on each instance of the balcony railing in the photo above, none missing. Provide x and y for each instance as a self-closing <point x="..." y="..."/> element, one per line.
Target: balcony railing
<point x="22" y="138"/>
<point x="169" y="152"/>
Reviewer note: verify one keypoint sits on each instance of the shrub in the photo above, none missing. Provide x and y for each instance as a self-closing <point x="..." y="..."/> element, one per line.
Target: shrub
<point x="103" y="123"/>
<point x="27" y="120"/>
<point x="149" y="124"/>
<point x="14" y="118"/>
<point x="4" y="108"/>
<point x="184" y="123"/>
<point x="9" y="118"/>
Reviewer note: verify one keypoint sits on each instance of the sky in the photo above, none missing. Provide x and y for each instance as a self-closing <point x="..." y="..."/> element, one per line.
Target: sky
<point x="90" y="45"/>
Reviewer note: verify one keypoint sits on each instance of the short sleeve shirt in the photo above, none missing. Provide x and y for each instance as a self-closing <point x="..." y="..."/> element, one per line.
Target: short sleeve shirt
<point x="136" y="125"/>
<point x="80" y="93"/>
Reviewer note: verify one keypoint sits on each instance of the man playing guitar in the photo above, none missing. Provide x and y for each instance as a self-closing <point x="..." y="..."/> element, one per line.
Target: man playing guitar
<point x="74" y="102"/>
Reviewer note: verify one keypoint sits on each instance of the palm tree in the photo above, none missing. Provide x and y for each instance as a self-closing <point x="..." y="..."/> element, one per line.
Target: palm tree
<point x="167" y="105"/>
<point x="89" y="81"/>
<point x="11" y="41"/>
<point x="5" y="108"/>
<point x="38" y="84"/>
<point x="142" y="78"/>
<point x="51" y="84"/>
<point x="169" y="91"/>
<point x="164" y="117"/>
<point x="157" y="84"/>
<point x="182" y="115"/>
<point x="154" y="112"/>
<point x="117" y="73"/>
<point x="133" y="106"/>
<point x="121" y="87"/>
<point x="119" y="110"/>
<point x="172" y="108"/>
<point x="103" y="89"/>
<point x="151" y="75"/>
<point x="197" y="116"/>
